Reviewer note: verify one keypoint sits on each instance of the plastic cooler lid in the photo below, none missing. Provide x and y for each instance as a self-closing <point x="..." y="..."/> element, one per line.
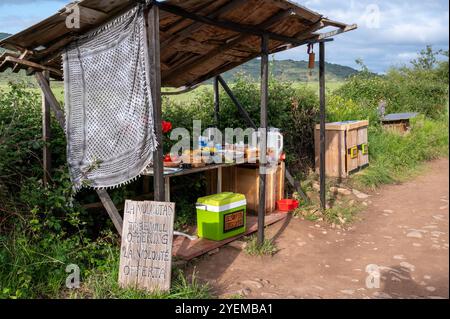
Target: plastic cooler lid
<point x="221" y="199"/>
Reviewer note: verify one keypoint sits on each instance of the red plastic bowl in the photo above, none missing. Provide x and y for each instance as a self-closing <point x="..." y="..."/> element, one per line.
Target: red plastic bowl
<point x="287" y="205"/>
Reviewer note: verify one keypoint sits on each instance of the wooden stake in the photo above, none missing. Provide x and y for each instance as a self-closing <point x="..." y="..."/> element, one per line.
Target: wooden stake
<point x="263" y="137"/>
<point x="46" y="135"/>
<point x="155" y="65"/>
<point x="216" y="101"/>
<point x="322" y="124"/>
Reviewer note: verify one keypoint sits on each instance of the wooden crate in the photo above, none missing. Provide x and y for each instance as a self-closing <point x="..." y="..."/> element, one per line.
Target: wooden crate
<point x="247" y="183"/>
<point x="346" y="146"/>
<point x="228" y="180"/>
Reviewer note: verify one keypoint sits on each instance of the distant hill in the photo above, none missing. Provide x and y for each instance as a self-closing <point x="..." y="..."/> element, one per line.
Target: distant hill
<point x="290" y="70"/>
<point x="4" y="35"/>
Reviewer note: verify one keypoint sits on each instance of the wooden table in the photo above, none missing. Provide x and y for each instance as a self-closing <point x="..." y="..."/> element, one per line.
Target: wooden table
<point x="169" y="173"/>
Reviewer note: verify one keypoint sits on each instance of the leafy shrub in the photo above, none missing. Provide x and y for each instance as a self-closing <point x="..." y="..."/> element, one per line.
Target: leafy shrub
<point x="394" y="157"/>
<point x="423" y="88"/>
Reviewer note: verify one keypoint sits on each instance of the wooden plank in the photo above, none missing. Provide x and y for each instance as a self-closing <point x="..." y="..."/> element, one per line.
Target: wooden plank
<point x="216" y="101"/>
<point x="263" y="136"/>
<point x="111" y="209"/>
<point x="352" y="142"/>
<point x="363" y="159"/>
<point x="236" y="102"/>
<point x="229" y="25"/>
<point x="39" y="67"/>
<point x="202" y="59"/>
<point x="335" y="154"/>
<point x="322" y="125"/>
<point x="248" y="183"/>
<point x="51" y="99"/>
<point x="189" y="249"/>
<point x="153" y="42"/>
<point x="345" y="126"/>
<point x="146" y="249"/>
<point x="46" y="135"/>
<point x="194" y="27"/>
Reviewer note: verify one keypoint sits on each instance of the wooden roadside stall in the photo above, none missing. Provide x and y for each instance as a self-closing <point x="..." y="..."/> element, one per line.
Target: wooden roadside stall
<point x="192" y="41"/>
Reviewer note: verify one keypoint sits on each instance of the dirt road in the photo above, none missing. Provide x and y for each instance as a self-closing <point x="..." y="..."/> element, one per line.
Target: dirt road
<point x="401" y="239"/>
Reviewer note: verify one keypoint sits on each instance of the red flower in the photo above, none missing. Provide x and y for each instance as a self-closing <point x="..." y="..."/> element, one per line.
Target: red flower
<point x="166" y="127"/>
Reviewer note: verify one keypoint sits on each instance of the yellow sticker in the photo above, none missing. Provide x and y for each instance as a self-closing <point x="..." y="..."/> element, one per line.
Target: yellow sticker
<point x="354" y="152"/>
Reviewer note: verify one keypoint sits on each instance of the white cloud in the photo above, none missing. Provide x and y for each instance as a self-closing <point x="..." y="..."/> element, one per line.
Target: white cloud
<point x="405" y="27"/>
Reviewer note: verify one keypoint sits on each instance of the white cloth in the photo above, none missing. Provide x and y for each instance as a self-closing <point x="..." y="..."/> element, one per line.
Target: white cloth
<point x="108" y="103"/>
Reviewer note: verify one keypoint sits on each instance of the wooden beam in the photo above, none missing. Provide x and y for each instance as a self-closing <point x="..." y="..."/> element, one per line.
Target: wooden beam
<point x="216" y="101"/>
<point x="188" y="31"/>
<point x="236" y="102"/>
<point x="56" y="108"/>
<point x="46" y="134"/>
<point x="333" y="33"/>
<point x="153" y="42"/>
<point x="232" y="26"/>
<point x="36" y="66"/>
<point x="263" y="137"/>
<point x="322" y="125"/>
<point x="182" y="90"/>
<point x="16" y="68"/>
<point x="199" y="60"/>
<point x="111" y="209"/>
<point x="296" y="186"/>
<point x="51" y="99"/>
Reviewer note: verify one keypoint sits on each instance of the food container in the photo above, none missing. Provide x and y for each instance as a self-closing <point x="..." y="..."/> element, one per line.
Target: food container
<point x="221" y="216"/>
<point x="287" y="205"/>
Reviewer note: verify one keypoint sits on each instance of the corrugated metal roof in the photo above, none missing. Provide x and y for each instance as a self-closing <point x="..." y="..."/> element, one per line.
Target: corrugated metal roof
<point x="399" y="117"/>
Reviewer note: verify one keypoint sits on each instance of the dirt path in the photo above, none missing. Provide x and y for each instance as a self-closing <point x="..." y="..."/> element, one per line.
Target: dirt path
<point x="404" y="233"/>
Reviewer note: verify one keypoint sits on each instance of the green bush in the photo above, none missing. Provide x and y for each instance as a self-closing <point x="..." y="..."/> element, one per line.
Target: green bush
<point x="422" y="88"/>
<point x="394" y="157"/>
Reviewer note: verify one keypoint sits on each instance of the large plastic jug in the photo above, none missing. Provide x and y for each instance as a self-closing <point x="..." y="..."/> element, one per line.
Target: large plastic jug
<point x="275" y="143"/>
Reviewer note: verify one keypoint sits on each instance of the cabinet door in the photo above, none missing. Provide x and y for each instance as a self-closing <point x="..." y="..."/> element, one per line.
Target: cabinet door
<point x="352" y="151"/>
<point x="335" y="158"/>
<point x="363" y="155"/>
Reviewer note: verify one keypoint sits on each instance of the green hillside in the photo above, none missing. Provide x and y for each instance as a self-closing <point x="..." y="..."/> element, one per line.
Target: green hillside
<point x="290" y="70"/>
<point x="4" y="35"/>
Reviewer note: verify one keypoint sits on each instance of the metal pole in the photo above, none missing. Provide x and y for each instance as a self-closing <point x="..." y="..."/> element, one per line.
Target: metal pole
<point x="263" y="136"/>
<point x="322" y="125"/>
<point x="155" y="58"/>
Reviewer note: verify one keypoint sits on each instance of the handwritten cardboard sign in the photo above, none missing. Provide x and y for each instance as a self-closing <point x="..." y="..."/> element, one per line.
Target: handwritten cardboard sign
<point x="146" y="250"/>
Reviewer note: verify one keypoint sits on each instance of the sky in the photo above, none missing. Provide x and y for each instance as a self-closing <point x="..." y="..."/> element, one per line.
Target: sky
<point x="390" y="32"/>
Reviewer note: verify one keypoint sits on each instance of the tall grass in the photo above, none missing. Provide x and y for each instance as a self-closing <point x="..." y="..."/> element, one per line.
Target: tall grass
<point x="394" y="157"/>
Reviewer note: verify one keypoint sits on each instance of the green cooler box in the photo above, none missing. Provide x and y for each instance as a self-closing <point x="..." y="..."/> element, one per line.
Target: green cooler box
<point x="221" y="216"/>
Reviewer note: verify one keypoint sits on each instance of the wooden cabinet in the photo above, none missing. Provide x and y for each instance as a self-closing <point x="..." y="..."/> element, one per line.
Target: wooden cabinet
<point x="346" y="148"/>
<point x="247" y="183"/>
<point x="244" y="179"/>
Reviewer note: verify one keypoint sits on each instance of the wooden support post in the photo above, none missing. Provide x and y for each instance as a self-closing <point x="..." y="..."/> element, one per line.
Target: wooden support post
<point x="59" y="114"/>
<point x="167" y="188"/>
<point x="155" y="65"/>
<point x="219" y="180"/>
<point x="322" y="125"/>
<point x="216" y="101"/>
<point x="241" y="109"/>
<point x="111" y="209"/>
<point x="263" y="137"/>
<point x="51" y="99"/>
<point x="46" y="135"/>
